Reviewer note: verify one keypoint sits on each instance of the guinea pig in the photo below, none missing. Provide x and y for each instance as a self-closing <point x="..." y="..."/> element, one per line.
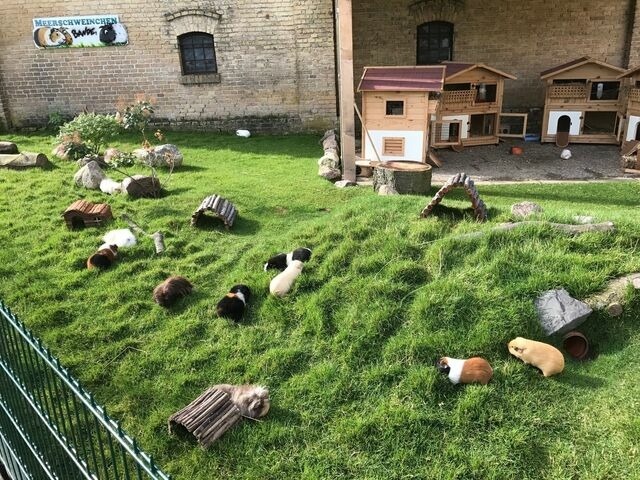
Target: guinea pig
<point x="282" y="260"/>
<point x="282" y="283"/>
<point x="548" y="359"/>
<point x="470" y="370"/>
<point x="234" y="303"/>
<point x="169" y="291"/>
<point x="103" y="258"/>
<point x="252" y="400"/>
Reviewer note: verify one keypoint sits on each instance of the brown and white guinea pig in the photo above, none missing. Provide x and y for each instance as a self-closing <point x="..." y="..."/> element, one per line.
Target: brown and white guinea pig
<point x="282" y="283"/>
<point x="252" y="400"/>
<point x="470" y="370"/>
<point x="172" y="289"/>
<point x="282" y="260"/>
<point x="541" y="355"/>
<point x="233" y="304"/>
<point x="103" y="258"/>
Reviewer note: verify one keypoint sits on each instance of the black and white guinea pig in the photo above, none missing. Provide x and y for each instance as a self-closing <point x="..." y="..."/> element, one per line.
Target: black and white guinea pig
<point x="470" y="370"/>
<point x="282" y="260"/>
<point x="234" y="303"/>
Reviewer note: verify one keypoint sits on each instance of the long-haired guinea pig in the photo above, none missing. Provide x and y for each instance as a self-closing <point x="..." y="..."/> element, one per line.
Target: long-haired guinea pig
<point x="541" y="355"/>
<point x="282" y="283"/>
<point x="234" y="303"/>
<point x="172" y="289"/>
<point x="252" y="400"/>
<point x="470" y="370"/>
<point x="282" y="260"/>
<point x="103" y="258"/>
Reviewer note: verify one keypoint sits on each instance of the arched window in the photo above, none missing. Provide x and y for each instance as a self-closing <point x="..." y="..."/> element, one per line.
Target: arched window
<point x="197" y="53"/>
<point x="435" y="43"/>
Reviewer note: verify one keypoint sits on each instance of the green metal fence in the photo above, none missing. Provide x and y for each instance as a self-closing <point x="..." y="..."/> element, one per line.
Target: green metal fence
<point x="51" y="427"/>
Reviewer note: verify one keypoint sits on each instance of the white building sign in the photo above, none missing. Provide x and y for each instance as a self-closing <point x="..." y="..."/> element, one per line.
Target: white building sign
<point x="85" y="31"/>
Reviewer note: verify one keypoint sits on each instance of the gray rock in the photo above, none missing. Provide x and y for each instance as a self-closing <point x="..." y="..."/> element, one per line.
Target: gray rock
<point x="60" y="151"/>
<point x="387" y="190"/>
<point x="89" y="176"/>
<point x="160" y="156"/>
<point x="558" y="312"/>
<point x="524" y="209"/>
<point x="142" y="186"/>
<point x="109" y="153"/>
<point x="8" y="148"/>
<point x="329" y="173"/>
<point x="345" y="183"/>
<point x="330" y="160"/>
<point x="81" y="162"/>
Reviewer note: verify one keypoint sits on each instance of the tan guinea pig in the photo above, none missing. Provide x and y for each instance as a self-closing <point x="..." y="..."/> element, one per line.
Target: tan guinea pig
<point x="541" y="355"/>
<point x="282" y="283"/>
<point x="471" y="370"/>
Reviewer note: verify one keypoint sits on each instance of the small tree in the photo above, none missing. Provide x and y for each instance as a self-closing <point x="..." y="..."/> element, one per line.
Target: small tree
<point x="137" y="117"/>
<point x="94" y="129"/>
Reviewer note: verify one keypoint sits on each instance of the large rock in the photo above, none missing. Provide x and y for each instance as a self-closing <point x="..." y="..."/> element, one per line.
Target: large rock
<point x="329" y="173"/>
<point x="142" y="186"/>
<point x="160" y="156"/>
<point x="524" y="209"/>
<point x="330" y="160"/>
<point x="89" y="176"/>
<point x="8" y="148"/>
<point x="558" y="312"/>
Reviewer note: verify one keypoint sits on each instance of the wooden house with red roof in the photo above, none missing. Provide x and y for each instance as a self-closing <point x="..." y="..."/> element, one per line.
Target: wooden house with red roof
<point x="584" y="103"/>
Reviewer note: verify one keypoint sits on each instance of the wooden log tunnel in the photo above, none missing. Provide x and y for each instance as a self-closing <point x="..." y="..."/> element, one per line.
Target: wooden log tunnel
<point x="206" y="418"/>
<point x="456" y="181"/>
<point x="220" y="208"/>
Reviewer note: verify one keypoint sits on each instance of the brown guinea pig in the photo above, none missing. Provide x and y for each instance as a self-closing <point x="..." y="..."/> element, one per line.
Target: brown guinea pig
<point x="541" y="355"/>
<point x="470" y="370"/>
<point x="252" y="400"/>
<point x="169" y="291"/>
<point x="103" y="258"/>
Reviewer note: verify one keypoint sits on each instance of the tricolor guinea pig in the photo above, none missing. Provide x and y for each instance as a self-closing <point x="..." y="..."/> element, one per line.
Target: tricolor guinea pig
<point x="282" y="283"/>
<point x="103" y="258"/>
<point x="470" y="370"/>
<point x="234" y="303"/>
<point x="282" y="260"/>
<point x="252" y="400"/>
<point x="548" y="359"/>
<point x="171" y="290"/>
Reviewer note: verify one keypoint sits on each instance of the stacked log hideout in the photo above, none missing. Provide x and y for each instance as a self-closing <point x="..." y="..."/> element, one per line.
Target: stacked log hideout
<point x="219" y="207"/>
<point x="464" y="181"/>
<point x="206" y="418"/>
<point x="82" y="214"/>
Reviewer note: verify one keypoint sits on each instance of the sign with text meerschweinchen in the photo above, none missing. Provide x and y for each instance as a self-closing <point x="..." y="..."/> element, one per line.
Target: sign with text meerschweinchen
<point x="85" y="31"/>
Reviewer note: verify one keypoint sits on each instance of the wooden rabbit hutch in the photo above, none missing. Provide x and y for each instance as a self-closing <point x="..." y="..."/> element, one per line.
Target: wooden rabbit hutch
<point x="82" y="214"/>
<point x="631" y="122"/>
<point x="397" y="103"/>
<point x="470" y="107"/>
<point x="583" y="103"/>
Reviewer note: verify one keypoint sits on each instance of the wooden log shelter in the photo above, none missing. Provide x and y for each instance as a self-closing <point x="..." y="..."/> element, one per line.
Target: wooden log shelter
<point x="82" y="214"/>
<point x="206" y="418"/>
<point x="404" y="177"/>
<point x="584" y="103"/>
<point x="460" y="180"/>
<point x="219" y="207"/>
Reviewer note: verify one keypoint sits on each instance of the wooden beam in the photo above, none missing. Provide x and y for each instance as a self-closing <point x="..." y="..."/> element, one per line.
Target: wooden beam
<point x="345" y="89"/>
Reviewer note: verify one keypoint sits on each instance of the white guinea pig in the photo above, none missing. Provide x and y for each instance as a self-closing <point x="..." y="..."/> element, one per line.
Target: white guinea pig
<point x="541" y="355"/>
<point x="282" y="283"/>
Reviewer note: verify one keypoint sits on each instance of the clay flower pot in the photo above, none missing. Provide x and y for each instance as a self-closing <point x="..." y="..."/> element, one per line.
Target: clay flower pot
<point x="516" y="151"/>
<point x="576" y="345"/>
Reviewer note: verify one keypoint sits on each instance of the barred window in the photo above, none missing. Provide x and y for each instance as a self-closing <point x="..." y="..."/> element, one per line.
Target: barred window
<point x="435" y="43"/>
<point x="197" y="53"/>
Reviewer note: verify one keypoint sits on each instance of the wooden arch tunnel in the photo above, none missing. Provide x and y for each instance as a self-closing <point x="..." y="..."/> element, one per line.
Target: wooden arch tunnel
<point x="457" y="181"/>
<point x="219" y="207"/>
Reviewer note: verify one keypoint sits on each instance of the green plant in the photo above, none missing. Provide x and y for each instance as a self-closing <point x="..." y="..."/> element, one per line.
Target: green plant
<point x="122" y="159"/>
<point x="94" y="129"/>
<point x="56" y="120"/>
<point x="73" y="146"/>
<point x="137" y="117"/>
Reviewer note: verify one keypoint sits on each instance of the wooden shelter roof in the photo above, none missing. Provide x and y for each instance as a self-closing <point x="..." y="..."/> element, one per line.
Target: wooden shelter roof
<point x="577" y="63"/>
<point x="427" y="78"/>
<point x="630" y="72"/>
<point x="82" y="207"/>
<point x="453" y="69"/>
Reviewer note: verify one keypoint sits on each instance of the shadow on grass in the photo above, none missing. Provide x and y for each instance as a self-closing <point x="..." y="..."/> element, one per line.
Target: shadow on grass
<point x="241" y="226"/>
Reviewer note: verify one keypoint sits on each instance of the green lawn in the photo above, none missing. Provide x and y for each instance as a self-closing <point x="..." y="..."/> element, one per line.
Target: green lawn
<point x="349" y="354"/>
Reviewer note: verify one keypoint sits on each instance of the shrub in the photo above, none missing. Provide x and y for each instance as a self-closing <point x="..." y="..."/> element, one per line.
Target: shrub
<point x="94" y="129"/>
<point x="137" y="117"/>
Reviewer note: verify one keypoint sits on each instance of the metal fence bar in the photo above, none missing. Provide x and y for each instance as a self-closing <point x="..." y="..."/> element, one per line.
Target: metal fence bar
<point x="50" y="426"/>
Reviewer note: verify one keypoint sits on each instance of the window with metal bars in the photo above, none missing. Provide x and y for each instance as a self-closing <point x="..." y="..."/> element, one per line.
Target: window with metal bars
<point x="197" y="53"/>
<point x="435" y="43"/>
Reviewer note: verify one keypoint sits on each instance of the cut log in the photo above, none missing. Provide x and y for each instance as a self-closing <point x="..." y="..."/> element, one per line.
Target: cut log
<point x="24" y="160"/>
<point x="404" y="177"/>
<point x="206" y="418"/>
<point x="566" y="228"/>
<point x="612" y="297"/>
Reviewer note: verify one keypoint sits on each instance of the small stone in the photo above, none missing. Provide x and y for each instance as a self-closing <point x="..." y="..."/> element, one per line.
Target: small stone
<point x="109" y="153"/>
<point x="329" y="173"/>
<point x="345" y="183"/>
<point x="8" y="148"/>
<point x="583" y="219"/>
<point x="387" y="190"/>
<point x="614" y="309"/>
<point x="558" y="312"/>
<point x="524" y="209"/>
<point x="566" y="154"/>
<point x="89" y="176"/>
<point x="60" y="151"/>
<point x="636" y="283"/>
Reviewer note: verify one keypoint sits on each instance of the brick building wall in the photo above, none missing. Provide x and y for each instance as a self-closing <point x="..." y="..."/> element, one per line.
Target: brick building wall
<point x="275" y="59"/>
<point x="521" y="38"/>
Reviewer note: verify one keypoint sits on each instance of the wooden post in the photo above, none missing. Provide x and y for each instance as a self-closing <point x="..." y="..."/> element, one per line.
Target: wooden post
<point x="345" y="87"/>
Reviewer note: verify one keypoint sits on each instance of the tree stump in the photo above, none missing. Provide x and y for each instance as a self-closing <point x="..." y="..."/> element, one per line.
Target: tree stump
<point x="206" y="418"/>
<point x="404" y="177"/>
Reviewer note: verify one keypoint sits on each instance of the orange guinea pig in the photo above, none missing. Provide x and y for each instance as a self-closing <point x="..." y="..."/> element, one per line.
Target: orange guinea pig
<point x="470" y="370"/>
